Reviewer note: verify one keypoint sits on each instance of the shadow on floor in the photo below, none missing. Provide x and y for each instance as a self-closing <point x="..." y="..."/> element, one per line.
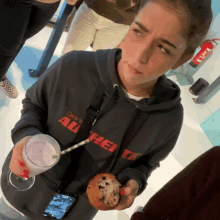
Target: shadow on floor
<point x="29" y="58"/>
<point x="18" y="73"/>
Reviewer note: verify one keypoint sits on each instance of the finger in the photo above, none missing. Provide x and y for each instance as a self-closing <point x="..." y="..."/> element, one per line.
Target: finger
<point x="19" y="168"/>
<point x="132" y="187"/>
<point x="17" y="165"/>
<point x="25" y="170"/>
<point x="125" y="202"/>
<point x="126" y="191"/>
<point x="19" y="158"/>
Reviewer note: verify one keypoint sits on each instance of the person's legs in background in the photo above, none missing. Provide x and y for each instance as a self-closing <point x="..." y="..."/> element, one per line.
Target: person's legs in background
<point x="20" y="20"/>
<point x="109" y="35"/>
<point x="82" y="29"/>
<point x="40" y="16"/>
<point x="14" y="19"/>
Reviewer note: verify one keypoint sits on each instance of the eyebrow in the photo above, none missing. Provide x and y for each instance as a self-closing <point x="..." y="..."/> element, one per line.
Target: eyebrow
<point x="147" y="31"/>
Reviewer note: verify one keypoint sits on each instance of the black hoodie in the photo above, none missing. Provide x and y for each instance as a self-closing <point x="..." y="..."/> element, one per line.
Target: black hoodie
<point x="57" y="102"/>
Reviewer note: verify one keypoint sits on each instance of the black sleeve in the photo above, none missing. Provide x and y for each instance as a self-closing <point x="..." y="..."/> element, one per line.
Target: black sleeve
<point x="145" y="165"/>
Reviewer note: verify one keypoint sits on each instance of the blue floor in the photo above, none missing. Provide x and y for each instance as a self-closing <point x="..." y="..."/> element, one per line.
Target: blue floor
<point x="29" y="58"/>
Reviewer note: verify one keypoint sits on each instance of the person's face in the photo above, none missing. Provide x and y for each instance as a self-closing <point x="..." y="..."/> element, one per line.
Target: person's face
<point x="152" y="46"/>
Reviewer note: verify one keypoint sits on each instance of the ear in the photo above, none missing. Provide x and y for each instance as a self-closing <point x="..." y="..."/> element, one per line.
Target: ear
<point x="182" y="60"/>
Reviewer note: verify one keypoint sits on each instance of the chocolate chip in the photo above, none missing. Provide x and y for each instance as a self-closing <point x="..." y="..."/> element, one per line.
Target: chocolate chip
<point x="101" y="187"/>
<point x="104" y="178"/>
<point x="107" y="183"/>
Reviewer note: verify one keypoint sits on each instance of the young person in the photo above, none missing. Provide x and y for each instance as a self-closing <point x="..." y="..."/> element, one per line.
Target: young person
<point x="140" y="110"/>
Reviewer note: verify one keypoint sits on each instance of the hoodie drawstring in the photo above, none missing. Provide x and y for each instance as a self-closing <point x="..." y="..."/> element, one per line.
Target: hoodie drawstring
<point x="109" y="104"/>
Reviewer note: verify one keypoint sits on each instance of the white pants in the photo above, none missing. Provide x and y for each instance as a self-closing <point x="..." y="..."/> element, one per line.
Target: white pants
<point x="87" y="26"/>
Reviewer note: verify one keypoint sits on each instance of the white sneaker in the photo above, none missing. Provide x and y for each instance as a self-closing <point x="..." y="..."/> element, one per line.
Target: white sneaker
<point x="8" y="88"/>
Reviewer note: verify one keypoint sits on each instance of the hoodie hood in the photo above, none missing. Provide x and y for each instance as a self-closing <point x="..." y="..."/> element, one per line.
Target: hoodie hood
<point x="166" y="94"/>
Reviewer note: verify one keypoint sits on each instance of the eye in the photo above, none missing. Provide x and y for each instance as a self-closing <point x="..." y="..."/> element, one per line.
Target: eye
<point x="163" y="49"/>
<point x="136" y="31"/>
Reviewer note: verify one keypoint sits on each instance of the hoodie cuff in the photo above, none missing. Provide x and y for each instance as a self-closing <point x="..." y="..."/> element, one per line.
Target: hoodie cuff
<point x="124" y="176"/>
<point x="17" y="136"/>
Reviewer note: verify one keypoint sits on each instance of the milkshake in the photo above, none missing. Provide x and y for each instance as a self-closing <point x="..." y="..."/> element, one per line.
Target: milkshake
<point x="38" y="152"/>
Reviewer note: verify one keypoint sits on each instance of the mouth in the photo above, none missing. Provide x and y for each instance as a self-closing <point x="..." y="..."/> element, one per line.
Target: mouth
<point x="134" y="70"/>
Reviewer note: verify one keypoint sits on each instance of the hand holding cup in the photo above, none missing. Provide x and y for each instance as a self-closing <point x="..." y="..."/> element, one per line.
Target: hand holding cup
<point x="17" y="164"/>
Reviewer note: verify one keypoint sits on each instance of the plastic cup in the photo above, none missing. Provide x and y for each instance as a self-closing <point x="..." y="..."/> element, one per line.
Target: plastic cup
<point x="38" y="152"/>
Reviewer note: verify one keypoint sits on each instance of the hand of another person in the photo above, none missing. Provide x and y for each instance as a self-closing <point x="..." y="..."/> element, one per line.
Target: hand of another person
<point x="130" y="192"/>
<point x="17" y="164"/>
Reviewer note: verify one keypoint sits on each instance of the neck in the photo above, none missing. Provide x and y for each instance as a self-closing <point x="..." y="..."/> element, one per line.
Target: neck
<point x="140" y="90"/>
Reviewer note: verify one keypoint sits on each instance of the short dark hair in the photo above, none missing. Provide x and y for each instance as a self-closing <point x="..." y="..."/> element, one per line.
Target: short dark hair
<point x="200" y="15"/>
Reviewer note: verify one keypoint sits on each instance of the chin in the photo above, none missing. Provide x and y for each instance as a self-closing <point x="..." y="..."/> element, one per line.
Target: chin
<point x="131" y="82"/>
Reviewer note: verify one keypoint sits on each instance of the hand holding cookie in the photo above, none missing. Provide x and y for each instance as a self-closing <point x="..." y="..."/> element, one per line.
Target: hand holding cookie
<point x="105" y="192"/>
<point x="128" y="192"/>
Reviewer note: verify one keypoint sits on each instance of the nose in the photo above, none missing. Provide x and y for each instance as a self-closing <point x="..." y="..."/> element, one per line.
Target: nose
<point x="144" y="52"/>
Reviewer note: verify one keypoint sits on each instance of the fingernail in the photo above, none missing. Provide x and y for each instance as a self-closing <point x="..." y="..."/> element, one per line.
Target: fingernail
<point x="25" y="171"/>
<point x="122" y="192"/>
<point x="21" y="163"/>
<point x="25" y="176"/>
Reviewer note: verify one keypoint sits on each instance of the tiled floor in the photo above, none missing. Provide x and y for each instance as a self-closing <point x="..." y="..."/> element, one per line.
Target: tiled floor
<point x="10" y="114"/>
